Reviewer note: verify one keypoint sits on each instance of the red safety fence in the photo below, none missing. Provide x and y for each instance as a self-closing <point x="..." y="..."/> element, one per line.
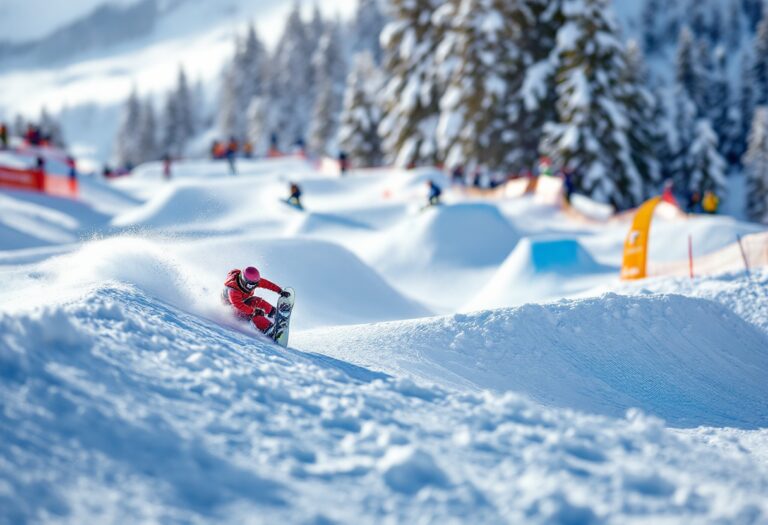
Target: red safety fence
<point x="37" y="180"/>
<point x="19" y="170"/>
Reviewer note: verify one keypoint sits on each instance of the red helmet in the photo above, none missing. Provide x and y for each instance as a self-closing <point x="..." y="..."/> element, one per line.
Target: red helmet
<point x="249" y="278"/>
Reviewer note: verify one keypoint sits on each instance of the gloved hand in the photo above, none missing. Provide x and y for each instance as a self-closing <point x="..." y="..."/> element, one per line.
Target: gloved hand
<point x="257" y="312"/>
<point x="285" y="293"/>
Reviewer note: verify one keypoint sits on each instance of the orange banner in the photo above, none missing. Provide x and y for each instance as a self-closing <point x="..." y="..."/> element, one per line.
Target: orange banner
<point x="636" y="245"/>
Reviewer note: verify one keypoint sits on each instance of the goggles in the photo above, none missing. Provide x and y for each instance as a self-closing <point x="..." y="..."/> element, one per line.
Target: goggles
<point x="250" y="285"/>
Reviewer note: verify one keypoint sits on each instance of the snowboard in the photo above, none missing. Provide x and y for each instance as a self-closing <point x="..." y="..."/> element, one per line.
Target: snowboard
<point x="283" y="309"/>
<point x="292" y="205"/>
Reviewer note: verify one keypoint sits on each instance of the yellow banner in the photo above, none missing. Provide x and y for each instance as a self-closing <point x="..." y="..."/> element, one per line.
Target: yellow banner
<point x="636" y="245"/>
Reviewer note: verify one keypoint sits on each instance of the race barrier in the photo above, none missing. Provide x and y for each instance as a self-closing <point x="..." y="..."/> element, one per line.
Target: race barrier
<point x="18" y="172"/>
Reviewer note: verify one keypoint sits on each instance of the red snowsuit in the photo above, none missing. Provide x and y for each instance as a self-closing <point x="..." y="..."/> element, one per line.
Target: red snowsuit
<point x="246" y="303"/>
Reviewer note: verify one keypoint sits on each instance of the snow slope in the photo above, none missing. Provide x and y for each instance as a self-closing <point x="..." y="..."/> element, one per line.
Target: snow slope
<point x="119" y="408"/>
<point x="698" y="364"/>
<point x="128" y="393"/>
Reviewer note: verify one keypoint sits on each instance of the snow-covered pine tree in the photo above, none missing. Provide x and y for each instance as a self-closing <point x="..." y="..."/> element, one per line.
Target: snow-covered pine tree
<point x="417" y="81"/>
<point x="754" y="10"/>
<point x="682" y="136"/>
<point x="243" y="79"/>
<point x="360" y="118"/>
<point x="254" y="64"/>
<point x="663" y="138"/>
<point x="127" y="149"/>
<point x="169" y="129"/>
<point x="746" y="100"/>
<point x="178" y="118"/>
<point x="316" y="26"/>
<point x="291" y="91"/>
<point x="51" y="128"/>
<point x="642" y="112"/>
<point x="593" y="135"/>
<point x="330" y="65"/>
<point x="474" y="117"/>
<point x="690" y="72"/>
<point x="756" y="165"/>
<point x="760" y="62"/>
<point x="231" y="117"/>
<point x="367" y="25"/>
<point x="495" y="106"/>
<point x="733" y="26"/>
<point x="651" y="27"/>
<point x="720" y="108"/>
<point x="147" y="132"/>
<point x="260" y="117"/>
<point x="186" y="108"/>
<point x="707" y="165"/>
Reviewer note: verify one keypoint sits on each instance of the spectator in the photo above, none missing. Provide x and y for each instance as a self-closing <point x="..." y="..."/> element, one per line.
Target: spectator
<point x="72" y="173"/>
<point x="3" y="136"/>
<point x="248" y="149"/>
<point x="569" y="184"/>
<point x="167" y="166"/>
<point x="710" y="203"/>
<point x="232" y="148"/>
<point x="40" y="173"/>
<point x="694" y="202"/>
<point x="343" y="163"/>
<point x="457" y="175"/>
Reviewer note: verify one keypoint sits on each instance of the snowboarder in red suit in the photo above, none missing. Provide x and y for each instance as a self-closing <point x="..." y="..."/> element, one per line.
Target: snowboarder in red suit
<point x="239" y="289"/>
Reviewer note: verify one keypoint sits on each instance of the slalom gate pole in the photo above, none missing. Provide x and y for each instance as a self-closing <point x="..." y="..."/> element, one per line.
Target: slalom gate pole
<point x="743" y="255"/>
<point x="690" y="256"/>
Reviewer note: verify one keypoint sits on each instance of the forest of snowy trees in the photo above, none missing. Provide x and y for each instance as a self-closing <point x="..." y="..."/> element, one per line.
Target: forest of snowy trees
<point x="495" y="85"/>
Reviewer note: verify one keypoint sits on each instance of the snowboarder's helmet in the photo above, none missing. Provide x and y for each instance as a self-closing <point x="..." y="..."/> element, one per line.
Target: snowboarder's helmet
<point x="250" y="277"/>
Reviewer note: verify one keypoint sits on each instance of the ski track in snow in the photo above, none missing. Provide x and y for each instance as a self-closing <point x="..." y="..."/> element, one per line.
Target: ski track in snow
<point x="130" y="395"/>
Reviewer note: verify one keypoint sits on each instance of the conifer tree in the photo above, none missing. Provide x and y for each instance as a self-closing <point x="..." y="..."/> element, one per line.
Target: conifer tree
<point x="243" y="79"/>
<point x="367" y="25"/>
<point x="127" y="148"/>
<point x="707" y="165"/>
<point x="683" y="133"/>
<point x="756" y="164"/>
<point x="291" y="89"/>
<point x="760" y="63"/>
<point x="746" y="100"/>
<point x="51" y="128"/>
<point x="416" y="83"/>
<point x="594" y="133"/>
<point x="178" y="118"/>
<point x="754" y="10"/>
<point x="691" y="69"/>
<point x="360" y="118"/>
<point x="330" y="65"/>
<point x="147" y="132"/>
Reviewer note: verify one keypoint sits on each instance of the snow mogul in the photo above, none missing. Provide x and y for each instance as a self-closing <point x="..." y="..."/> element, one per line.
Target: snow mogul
<point x="239" y="292"/>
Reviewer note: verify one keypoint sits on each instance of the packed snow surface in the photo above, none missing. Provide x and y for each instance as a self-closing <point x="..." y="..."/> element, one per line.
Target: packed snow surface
<point x="476" y="362"/>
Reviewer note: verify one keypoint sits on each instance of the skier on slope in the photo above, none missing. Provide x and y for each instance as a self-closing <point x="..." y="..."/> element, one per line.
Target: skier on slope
<point x="239" y="289"/>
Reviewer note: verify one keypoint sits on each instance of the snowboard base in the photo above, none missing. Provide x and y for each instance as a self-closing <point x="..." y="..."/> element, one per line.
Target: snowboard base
<point x="284" y="308"/>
